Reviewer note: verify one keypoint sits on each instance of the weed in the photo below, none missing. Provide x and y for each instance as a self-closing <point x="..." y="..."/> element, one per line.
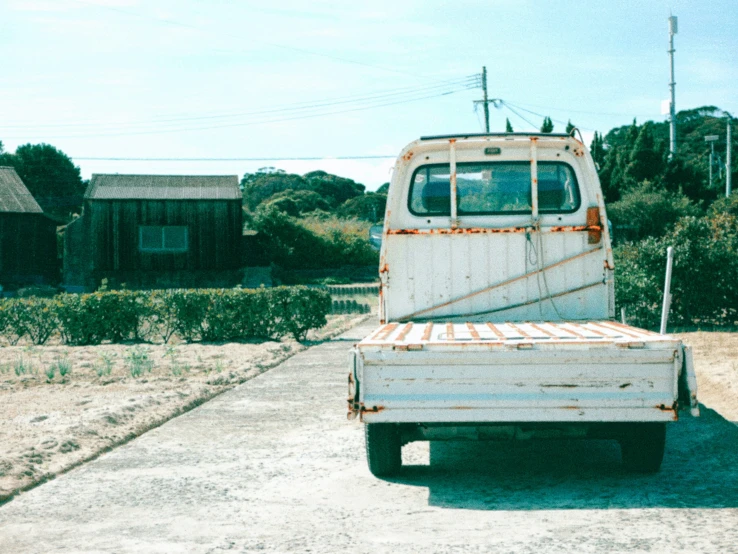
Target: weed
<point x="175" y="366"/>
<point x="50" y="373"/>
<point x="105" y="365"/>
<point x="218" y="366"/>
<point x="138" y="361"/>
<point x="22" y="367"/>
<point x="63" y="365"/>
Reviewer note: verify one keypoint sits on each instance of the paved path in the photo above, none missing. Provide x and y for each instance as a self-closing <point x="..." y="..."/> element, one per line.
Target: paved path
<point x="274" y="466"/>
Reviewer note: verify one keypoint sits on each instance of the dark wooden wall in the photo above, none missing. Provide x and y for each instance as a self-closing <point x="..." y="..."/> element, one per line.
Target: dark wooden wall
<point x="214" y="234"/>
<point x="28" y="250"/>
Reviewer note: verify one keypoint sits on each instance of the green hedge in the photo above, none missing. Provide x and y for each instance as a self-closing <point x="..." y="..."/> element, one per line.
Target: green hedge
<point x="212" y="315"/>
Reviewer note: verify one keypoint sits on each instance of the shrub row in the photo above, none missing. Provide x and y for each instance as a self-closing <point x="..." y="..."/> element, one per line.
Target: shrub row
<point x="211" y="315"/>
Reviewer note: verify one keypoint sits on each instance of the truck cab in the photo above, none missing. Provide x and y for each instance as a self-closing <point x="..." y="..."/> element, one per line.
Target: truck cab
<point x="497" y="308"/>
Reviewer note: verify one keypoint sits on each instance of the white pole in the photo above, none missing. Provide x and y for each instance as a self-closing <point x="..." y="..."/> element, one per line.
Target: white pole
<point x="672" y="87"/>
<point x="452" y="167"/>
<point x="667" y="290"/>
<point x="728" y="177"/>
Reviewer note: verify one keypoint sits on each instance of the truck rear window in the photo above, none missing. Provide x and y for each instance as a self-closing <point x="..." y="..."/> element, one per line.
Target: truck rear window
<point x="493" y="188"/>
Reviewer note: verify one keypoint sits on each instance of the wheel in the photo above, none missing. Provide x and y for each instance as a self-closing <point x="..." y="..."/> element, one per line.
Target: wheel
<point x="643" y="447"/>
<point x="383" y="449"/>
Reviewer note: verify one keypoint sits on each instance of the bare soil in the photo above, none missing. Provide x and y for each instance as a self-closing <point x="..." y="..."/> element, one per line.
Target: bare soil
<point x="716" y="363"/>
<point x="110" y="394"/>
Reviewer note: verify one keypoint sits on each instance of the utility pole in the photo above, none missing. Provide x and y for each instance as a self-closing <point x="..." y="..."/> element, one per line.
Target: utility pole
<point x="486" y="101"/>
<point x="673" y="28"/>
<point x="711" y="139"/>
<point x="484" y="98"/>
<point x="729" y="169"/>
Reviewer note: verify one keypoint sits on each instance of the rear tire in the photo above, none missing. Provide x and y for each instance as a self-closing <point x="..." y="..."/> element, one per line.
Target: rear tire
<point x="642" y="448"/>
<point x="383" y="449"/>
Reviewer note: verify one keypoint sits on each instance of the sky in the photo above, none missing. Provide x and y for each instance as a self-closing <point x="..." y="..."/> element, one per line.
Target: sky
<point x="344" y="84"/>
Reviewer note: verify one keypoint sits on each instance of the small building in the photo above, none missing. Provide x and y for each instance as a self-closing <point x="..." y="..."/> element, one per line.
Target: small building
<point x="156" y="231"/>
<point x="28" y="247"/>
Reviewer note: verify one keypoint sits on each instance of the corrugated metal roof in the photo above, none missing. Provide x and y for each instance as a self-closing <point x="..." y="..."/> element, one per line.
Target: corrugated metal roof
<point x="163" y="187"/>
<point x="14" y="196"/>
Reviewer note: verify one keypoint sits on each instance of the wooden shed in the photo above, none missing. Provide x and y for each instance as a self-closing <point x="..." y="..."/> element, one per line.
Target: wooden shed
<point x="156" y="231"/>
<point x="28" y="251"/>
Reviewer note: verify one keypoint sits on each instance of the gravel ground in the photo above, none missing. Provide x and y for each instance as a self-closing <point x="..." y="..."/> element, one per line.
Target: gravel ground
<point x="273" y="465"/>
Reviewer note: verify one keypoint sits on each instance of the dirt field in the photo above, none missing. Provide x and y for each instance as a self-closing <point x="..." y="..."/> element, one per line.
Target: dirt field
<point x="716" y="361"/>
<point x="112" y="393"/>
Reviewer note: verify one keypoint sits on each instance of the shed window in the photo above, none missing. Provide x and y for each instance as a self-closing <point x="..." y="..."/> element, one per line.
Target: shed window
<point x="162" y="239"/>
<point x="493" y="188"/>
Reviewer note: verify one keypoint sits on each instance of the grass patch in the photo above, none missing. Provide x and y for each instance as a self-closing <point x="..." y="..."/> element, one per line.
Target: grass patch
<point x="21" y="366"/>
<point x="104" y="365"/>
<point x="138" y="361"/>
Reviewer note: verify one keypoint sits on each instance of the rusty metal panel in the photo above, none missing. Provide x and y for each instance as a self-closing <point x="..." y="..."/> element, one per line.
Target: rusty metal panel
<point x="439" y="261"/>
<point x="542" y="334"/>
<point x="517" y="371"/>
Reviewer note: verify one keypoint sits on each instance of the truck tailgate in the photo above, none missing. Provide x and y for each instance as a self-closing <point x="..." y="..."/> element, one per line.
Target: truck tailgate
<point x="515" y="372"/>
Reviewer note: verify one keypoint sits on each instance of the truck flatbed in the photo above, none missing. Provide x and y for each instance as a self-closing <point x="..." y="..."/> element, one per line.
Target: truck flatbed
<point x="591" y="371"/>
<point x="513" y="335"/>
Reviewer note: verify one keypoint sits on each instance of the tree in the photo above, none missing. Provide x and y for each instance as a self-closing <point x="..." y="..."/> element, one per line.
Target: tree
<point x="265" y="183"/>
<point x="368" y="207"/>
<point x="51" y="177"/>
<point x="297" y="202"/>
<point x="597" y="148"/>
<point x="645" y="161"/>
<point x="508" y="126"/>
<point x="570" y="128"/>
<point x="648" y="210"/>
<point x="334" y="189"/>
<point x="611" y="175"/>
<point x="547" y="126"/>
<point x="384" y="189"/>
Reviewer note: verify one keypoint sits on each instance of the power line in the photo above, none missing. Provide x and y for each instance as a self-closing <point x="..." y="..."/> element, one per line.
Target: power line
<point x="469" y="81"/>
<point x="544" y="116"/>
<point x="242" y="38"/>
<point x="505" y="104"/>
<point x="272" y="159"/>
<point x="586" y="112"/>
<point x="370" y="105"/>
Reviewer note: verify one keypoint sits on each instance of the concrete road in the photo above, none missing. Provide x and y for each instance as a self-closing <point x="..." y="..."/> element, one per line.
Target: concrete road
<point x="274" y="466"/>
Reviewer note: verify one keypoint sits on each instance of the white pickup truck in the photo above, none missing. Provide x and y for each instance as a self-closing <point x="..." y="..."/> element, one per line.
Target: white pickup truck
<point x="497" y="309"/>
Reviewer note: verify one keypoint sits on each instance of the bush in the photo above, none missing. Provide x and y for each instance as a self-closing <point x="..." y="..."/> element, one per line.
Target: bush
<point x="648" y="211"/>
<point x="315" y="241"/>
<point x="93" y="318"/>
<point x="209" y="315"/>
<point x="702" y="287"/>
<point x="300" y="309"/>
<point x="348" y="240"/>
<point x="31" y="317"/>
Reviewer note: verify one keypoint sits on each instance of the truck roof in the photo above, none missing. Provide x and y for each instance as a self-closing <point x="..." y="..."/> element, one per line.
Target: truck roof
<point x="494" y="135"/>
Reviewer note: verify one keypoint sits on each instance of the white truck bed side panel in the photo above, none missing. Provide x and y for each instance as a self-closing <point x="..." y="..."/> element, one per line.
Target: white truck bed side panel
<point x="597" y="371"/>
